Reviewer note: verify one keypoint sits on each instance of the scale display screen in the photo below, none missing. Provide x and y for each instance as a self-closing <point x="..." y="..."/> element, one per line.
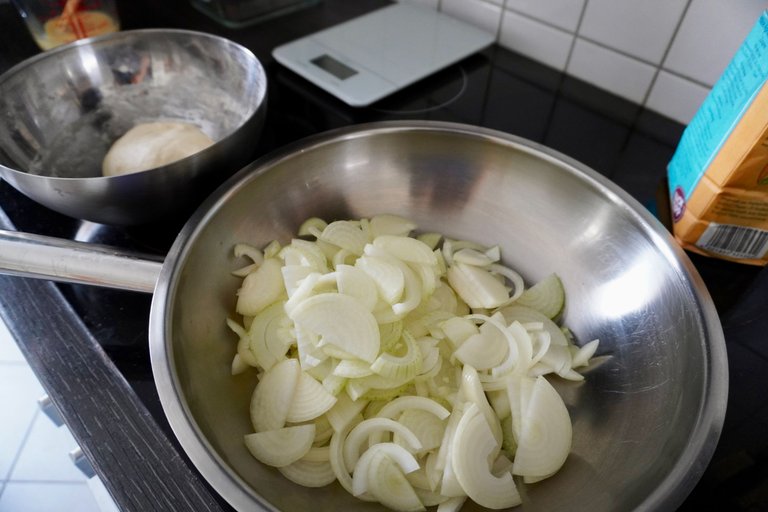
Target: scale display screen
<point x="333" y="66"/>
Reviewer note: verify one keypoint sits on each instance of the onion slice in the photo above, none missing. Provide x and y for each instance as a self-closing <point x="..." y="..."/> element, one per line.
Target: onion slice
<point x="342" y="322"/>
<point x="473" y="447"/>
<point x="273" y="396"/>
<point x="283" y="446"/>
<point x="545" y="435"/>
<point x="310" y="400"/>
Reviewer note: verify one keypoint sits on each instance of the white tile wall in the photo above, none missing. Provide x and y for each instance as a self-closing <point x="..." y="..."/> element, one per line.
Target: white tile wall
<point x="610" y="70"/>
<point x="663" y="54"/>
<point x="482" y="14"/>
<point x="677" y="97"/>
<point x="709" y="35"/>
<point x="639" y="29"/>
<point x="564" y="14"/>
<point x="538" y="41"/>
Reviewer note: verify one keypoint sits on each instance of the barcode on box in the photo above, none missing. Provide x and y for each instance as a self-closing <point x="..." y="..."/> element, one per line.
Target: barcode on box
<point x="734" y="241"/>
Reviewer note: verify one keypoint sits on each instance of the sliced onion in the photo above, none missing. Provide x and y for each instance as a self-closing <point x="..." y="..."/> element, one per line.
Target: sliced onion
<point x="473" y="447"/>
<point x="457" y="329"/>
<point x="310" y="400"/>
<point x="547" y="296"/>
<point x="346" y="235"/>
<point x="476" y="286"/>
<point x="243" y="345"/>
<point x="309" y="473"/>
<point x="484" y="350"/>
<point x="472" y="257"/>
<point x="396" y="453"/>
<point x="545" y="436"/>
<point x="518" y="285"/>
<point x="412" y="291"/>
<point x="403" y="367"/>
<point x="311" y="225"/>
<point x="260" y="288"/>
<point x="273" y="396"/>
<point x="336" y="458"/>
<point x="387" y="224"/>
<point x="472" y="391"/>
<point x="334" y="384"/>
<point x="263" y="331"/>
<point x="387" y="275"/>
<point x="427" y="428"/>
<point x="366" y="428"/>
<point x="305" y="254"/>
<point x="431" y="239"/>
<point x="388" y="484"/>
<point x="342" y="322"/>
<point x="429" y="275"/>
<point x="584" y="354"/>
<point x="354" y="282"/>
<point x="391" y="370"/>
<point x="524" y="315"/>
<point x="323" y="433"/>
<point x="282" y="446"/>
<point x="345" y="409"/>
<point x="310" y="353"/>
<point x="238" y="365"/>
<point x="352" y="369"/>
<point x="406" y="249"/>
<point x="249" y="251"/>
<point x="452" y="504"/>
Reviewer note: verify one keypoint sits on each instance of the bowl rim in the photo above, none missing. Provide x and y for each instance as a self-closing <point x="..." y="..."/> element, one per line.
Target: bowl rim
<point x="670" y="492"/>
<point x="259" y="105"/>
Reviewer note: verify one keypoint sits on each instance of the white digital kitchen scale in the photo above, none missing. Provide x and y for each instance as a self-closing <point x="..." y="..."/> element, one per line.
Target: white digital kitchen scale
<point x="367" y="58"/>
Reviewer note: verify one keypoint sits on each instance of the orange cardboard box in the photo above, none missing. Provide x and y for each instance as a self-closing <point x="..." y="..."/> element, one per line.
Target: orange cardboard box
<point x="718" y="177"/>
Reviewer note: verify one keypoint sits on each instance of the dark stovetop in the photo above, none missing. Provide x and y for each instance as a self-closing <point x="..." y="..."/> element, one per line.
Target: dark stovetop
<point x="88" y="346"/>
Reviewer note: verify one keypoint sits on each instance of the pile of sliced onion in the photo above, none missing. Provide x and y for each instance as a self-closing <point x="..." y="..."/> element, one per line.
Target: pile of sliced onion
<point x="410" y="369"/>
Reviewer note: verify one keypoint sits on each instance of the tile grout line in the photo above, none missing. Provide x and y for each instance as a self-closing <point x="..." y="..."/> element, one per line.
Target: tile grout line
<point x="664" y="56"/>
<point x="16" y="457"/>
<point x="576" y="35"/>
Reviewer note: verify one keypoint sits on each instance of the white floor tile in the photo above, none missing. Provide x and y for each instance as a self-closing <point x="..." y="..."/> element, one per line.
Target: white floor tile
<point x="19" y="391"/>
<point x="33" y="448"/>
<point x="102" y="496"/>
<point x="47" y="497"/>
<point x="45" y="455"/>
<point x="9" y="350"/>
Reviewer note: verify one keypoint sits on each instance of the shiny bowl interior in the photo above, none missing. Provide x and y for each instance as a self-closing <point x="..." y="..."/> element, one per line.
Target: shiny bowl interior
<point x="645" y="421"/>
<point x="61" y="110"/>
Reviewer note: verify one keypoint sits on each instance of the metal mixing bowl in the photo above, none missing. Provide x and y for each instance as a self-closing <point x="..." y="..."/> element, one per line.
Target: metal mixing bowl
<point x="645" y="421"/>
<point x="61" y="110"/>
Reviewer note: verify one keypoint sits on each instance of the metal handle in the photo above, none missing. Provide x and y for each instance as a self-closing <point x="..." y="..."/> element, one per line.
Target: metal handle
<point x="28" y="255"/>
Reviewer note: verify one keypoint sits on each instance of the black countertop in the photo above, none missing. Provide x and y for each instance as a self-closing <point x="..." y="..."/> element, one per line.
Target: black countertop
<point x="88" y="346"/>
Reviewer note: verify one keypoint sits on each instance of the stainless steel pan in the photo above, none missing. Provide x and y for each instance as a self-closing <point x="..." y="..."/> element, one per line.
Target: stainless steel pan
<point x="646" y="421"/>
